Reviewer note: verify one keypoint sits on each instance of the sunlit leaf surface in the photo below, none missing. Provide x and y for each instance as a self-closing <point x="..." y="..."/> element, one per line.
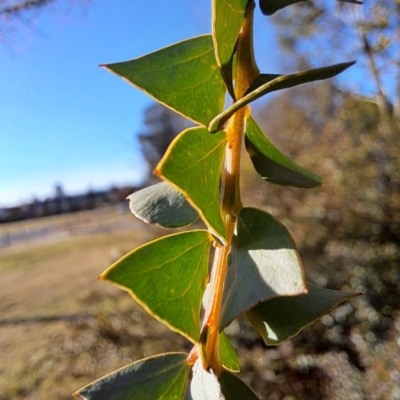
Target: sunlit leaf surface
<point x="228" y="354"/>
<point x="228" y="17"/>
<point x="184" y="77"/>
<point x="156" y="378"/>
<point x="168" y="276"/>
<point x="193" y="163"/>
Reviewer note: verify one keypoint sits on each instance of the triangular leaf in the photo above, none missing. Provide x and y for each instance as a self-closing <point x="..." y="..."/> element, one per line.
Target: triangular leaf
<point x="351" y="1"/>
<point x="281" y="318"/>
<point x="234" y="388"/>
<point x="269" y="7"/>
<point x="281" y="82"/>
<point x="167" y="277"/>
<point x="263" y="264"/>
<point x="183" y="77"/>
<point x="155" y="378"/>
<point x="228" y="18"/>
<point x="163" y="205"/>
<point x="197" y="153"/>
<point x="205" y="385"/>
<point x="228" y="354"/>
<point x="273" y="165"/>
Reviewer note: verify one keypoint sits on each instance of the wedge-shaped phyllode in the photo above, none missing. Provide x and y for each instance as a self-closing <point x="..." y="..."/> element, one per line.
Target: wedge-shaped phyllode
<point x="163" y="205"/>
<point x="156" y="378"/>
<point x="281" y="318"/>
<point x="269" y="7"/>
<point x="228" y="354"/>
<point x="205" y="385"/>
<point x="167" y="277"/>
<point x="263" y="264"/>
<point x="272" y="165"/>
<point x="233" y="388"/>
<point x="279" y="83"/>
<point x="184" y="77"/>
<point x="193" y="164"/>
<point x="228" y="18"/>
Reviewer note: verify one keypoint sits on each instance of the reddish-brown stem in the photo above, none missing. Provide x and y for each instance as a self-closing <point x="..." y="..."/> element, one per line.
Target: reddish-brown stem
<point x="246" y="72"/>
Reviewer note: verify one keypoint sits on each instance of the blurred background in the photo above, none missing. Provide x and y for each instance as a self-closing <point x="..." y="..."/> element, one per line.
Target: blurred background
<point x="75" y="141"/>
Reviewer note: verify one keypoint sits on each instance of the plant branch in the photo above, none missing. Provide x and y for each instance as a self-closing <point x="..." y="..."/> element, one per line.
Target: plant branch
<point x="245" y="73"/>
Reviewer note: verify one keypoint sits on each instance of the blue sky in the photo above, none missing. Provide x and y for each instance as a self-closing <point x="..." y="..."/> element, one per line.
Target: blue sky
<point x="65" y="120"/>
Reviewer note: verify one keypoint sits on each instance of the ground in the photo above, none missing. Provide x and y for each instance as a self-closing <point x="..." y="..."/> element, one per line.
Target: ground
<point x="61" y="328"/>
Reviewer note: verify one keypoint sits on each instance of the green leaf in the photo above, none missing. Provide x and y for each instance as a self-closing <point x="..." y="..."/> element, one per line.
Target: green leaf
<point x="281" y="82"/>
<point x="156" y="378"/>
<point x="205" y="385"/>
<point x="161" y="204"/>
<point x="228" y="354"/>
<point x="351" y="1"/>
<point x="234" y="388"/>
<point x="263" y="264"/>
<point x="228" y="18"/>
<point x="167" y="277"/>
<point x="193" y="163"/>
<point x="269" y="7"/>
<point x="273" y="165"/>
<point x="184" y="77"/>
<point x="281" y="318"/>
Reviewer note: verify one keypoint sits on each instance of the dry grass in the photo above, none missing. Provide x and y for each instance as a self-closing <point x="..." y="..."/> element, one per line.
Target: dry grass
<point x="60" y="328"/>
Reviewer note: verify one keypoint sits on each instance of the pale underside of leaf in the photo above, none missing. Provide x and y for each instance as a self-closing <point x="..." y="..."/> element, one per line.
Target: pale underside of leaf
<point x="197" y="153"/>
<point x="156" y="378"/>
<point x="274" y="166"/>
<point x="279" y="83"/>
<point x="281" y="318"/>
<point x="161" y="204"/>
<point x="184" y="77"/>
<point x="167" y="277"/>
<point x="263" y="264"/>
<point x="205" y="385"/>
<point x="228" y="18"/>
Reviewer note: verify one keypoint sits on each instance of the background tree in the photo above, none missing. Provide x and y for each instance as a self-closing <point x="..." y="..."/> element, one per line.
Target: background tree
<point x="375" y="29"/>
<point x="371" y="31"/>
<point x="348" y="237"/>
<point x="161" y="126"/>
<point x="16" y="12"/>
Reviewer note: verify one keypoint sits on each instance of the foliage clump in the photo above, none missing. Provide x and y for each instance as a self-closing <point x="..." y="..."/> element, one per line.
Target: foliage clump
<point x="256" y="268"/>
